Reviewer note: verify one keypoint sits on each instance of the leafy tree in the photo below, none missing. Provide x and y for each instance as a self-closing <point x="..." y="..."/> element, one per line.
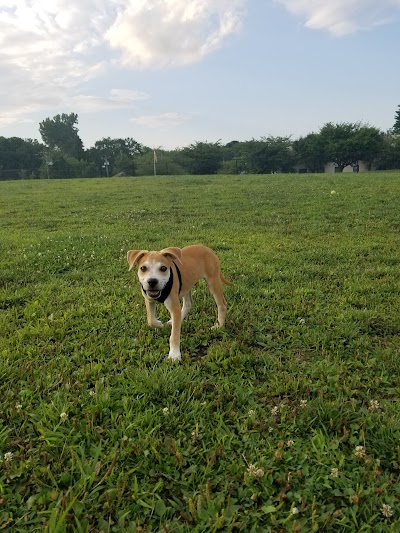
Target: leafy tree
<point x="232" y="162"/>
<point x="64" y="166"/>
<point x="389" y="158"/>
<point x="124" y="164"/>
<point x="267" y="155"/>
<point x="19" y="158"/>
<point x="396" y="127"/>
<point x="233" y="166"/>
<point x="169" y="162"/>
<point x="61" y="133"/>
<point x="338" y="141"/>
<point x="202" y="157"/>
<point x="371" y="144"/>
<point x="347" y="143"/>
<point x="309" y="151"/>
<point x="231" y="150"/>
<point x="109" y="150"/>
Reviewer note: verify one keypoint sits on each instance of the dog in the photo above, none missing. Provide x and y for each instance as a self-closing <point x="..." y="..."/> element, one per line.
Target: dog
<point x="170" y="274"/>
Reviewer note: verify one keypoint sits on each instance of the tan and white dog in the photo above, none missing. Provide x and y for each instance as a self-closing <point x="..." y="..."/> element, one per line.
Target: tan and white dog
<point x="170" y="274"/>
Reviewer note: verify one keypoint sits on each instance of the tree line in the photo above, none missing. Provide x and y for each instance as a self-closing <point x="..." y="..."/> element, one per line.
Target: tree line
<point x="61" y="153"/>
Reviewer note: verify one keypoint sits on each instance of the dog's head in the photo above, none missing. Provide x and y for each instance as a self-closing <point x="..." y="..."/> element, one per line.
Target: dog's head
<point x="154" y="269"/>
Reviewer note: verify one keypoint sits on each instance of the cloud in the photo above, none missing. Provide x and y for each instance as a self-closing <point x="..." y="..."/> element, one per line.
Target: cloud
<point x="117" y="99"/>
<point x="47" y="39"/>
<point x="342" y="17"/>
<point x="162" y="121"/>
<point x="41" y="58"/>
<point x="173" y="32"/>
<point x="49" y="49"/>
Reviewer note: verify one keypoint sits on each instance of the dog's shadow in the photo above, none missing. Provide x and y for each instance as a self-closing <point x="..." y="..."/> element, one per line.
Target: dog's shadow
<point x="199" y="337"/>
<point x="197" y="333"/>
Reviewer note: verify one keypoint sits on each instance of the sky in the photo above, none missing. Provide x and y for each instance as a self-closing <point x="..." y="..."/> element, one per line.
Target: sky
<point x="169" y="73"/>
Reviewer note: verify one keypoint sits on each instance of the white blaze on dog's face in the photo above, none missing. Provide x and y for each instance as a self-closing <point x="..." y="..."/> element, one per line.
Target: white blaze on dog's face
<point x="153" y="272"/>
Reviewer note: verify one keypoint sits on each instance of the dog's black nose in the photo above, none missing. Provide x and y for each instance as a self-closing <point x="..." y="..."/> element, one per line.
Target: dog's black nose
<point x="152" y="282"/>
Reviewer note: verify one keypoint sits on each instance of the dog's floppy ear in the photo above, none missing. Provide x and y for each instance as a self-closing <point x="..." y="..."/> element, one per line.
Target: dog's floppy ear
<point x="173" y="253"/>
<point x="133" y="257"/>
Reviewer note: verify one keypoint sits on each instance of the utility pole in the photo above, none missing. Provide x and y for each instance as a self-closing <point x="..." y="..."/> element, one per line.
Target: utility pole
<point x="49" y="163"/>
<point x="154" y="162"/>
<point x="106" y="165"/>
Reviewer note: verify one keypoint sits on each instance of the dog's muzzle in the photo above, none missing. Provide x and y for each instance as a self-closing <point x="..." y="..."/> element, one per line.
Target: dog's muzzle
<point x="151" y="293"/>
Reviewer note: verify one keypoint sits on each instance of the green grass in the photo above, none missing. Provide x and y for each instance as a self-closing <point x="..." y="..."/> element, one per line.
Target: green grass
<point x="257" y="429"/>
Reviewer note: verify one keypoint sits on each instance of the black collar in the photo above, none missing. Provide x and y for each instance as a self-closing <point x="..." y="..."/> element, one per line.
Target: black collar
<point x="167" y="289"/>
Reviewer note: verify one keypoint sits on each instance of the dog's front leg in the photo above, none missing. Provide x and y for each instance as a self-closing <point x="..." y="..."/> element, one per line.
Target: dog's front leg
<point x="174" y="308"/>
<point x="151" y="315"/>
<point x="187" y="304"/>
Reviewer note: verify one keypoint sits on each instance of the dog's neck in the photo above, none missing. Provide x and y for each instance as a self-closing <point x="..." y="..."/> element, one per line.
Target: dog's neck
<point x="168" y="287"/>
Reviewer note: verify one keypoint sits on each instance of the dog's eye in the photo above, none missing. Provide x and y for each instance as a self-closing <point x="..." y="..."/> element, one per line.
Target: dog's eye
<point x="143" y="268"/>
<point x="163" y="268"/>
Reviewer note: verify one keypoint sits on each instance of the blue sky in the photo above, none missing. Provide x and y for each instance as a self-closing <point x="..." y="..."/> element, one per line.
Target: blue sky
<point x="172" y="72"/>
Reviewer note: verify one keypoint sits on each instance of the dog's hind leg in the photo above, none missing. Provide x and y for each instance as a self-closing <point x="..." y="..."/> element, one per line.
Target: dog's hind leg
<point x="215" y="287"/>
<point x="187" y="304"/>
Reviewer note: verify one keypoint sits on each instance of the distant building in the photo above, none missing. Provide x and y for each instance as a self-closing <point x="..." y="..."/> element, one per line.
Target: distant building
<point x="359" y="167"/>
<point x="330" y="168"/>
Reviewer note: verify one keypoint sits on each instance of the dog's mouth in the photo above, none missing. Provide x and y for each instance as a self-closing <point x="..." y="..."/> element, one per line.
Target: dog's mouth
<point x="153" y="294"/>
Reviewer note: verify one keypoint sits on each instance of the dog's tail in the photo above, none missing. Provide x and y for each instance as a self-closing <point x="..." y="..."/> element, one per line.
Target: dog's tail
<point x="225" y="280"/>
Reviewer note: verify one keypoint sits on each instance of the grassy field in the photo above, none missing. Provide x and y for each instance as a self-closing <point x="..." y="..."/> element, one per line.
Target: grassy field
<point x="286" y="420"/>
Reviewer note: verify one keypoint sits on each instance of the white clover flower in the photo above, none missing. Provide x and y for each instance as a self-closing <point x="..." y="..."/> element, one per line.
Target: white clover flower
<point x="251" y="413"/>
<point x="373" y="405"/>
<point x="8" y="456"/>
<point x="255" y="471"/>
<point x="18" y="407"/>
<point x="334" y="472"/>
<point x="302" y="321"/>
<point x="303" y="404"/>
<point x="270" y="429"/>
<point x="251" y="470"/>
<point x="260" y="472"/>
<point x="386" y="510"/>
<point x="295" y="510"/>
<point x="275" y="410"/>
<point x="290" y="443"/>
<point x="63" y="416"/>
<point x="333" y="192"/>
<point x="165" y="411"/>
<point x="359" y="451"/>
<point x="196" y="434"/>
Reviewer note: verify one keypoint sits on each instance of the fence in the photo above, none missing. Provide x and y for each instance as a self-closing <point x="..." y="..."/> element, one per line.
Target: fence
<point x="161" y="168"/>
<point x="230" y="167"/>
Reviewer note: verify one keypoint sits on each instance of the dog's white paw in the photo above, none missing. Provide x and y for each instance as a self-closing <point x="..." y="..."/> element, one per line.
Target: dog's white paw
<point x="157" y="324"/>
<point x="174" y="355"/>
<point x="216" y="326"/>
<point x="169" y="323"/>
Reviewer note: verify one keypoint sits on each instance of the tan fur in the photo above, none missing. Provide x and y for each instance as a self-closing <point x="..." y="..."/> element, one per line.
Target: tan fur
<point x="195" y="263"/>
